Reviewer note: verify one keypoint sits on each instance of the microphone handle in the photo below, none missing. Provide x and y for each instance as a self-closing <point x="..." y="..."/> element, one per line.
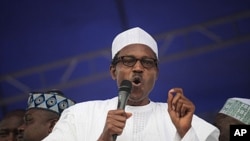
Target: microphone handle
<point x="120" y="105"/>
<point x="122" y="100"/>
<point x="114" y="137"/>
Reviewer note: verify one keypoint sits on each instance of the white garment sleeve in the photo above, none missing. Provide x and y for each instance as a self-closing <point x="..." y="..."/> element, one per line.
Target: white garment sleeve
<point x="64" y="125"/>
<point x="189" y="136"/>
<point x="192" y="136"/>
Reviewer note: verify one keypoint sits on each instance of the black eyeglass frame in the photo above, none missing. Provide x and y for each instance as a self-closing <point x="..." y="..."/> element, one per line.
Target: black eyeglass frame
<point x="142" y="60"/>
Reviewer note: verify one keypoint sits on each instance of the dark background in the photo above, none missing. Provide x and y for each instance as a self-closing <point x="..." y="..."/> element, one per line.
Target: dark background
<point x="204" y="47"/>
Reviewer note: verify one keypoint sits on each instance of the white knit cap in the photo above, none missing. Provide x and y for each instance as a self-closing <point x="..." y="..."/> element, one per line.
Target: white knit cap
<point x="238" y="108"/>
<point x="133" y="36"/>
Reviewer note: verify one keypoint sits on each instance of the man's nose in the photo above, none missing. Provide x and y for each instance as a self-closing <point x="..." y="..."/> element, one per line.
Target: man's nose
<point x="138" y="66"/>
<point x="20" y="130"/>
<point x="20" y="133"/>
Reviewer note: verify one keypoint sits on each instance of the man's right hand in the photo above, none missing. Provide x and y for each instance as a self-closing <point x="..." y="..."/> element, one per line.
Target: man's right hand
<point x="115" y="123"/>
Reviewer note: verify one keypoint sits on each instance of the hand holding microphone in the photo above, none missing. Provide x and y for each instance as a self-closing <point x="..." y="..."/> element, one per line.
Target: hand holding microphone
<point x="116" y="119"/>
<point x="124" y="92"/>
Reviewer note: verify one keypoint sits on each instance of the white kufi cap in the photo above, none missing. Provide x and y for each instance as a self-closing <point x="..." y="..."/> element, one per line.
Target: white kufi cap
<point x="238" y="108"/>
<point x="133" y="36"/>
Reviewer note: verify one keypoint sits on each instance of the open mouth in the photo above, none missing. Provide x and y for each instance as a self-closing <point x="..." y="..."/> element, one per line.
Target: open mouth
<point x="137" y="81"/>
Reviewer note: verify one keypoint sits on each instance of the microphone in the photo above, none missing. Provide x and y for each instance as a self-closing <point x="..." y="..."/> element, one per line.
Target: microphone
<point x="124" y="92"/>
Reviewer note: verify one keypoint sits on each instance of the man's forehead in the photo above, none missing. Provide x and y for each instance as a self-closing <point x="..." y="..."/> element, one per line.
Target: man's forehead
<point x="34" y="111"/>
<point x="133" y="47"/>
<point x="11" y="122"/>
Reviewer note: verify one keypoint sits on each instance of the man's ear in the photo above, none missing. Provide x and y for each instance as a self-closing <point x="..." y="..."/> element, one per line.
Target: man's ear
<point x="112" y="70"/>
<point x="52" y="123"/>
<point x="157" y="75"/>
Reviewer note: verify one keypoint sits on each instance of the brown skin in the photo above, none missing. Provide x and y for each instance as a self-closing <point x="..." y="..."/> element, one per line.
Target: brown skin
<point x="180" y="108"/>
<point x="223" y="122"/>
<point x="139" y="94"/>
<point x="38" y="124"/>
<point x="11" y="122"/>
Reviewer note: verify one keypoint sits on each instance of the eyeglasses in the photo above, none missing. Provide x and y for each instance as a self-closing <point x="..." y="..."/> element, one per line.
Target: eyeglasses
<point x="130" y="61"/>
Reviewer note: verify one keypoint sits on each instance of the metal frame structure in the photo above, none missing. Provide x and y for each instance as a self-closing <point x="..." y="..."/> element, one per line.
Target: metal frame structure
<point x="167" y="37"/>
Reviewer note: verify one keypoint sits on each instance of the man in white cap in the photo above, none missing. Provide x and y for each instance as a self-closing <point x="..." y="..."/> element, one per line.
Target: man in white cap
<point x="43" y="111"/>
<point x="236" y="111"/>
<point x="134" y="58"/>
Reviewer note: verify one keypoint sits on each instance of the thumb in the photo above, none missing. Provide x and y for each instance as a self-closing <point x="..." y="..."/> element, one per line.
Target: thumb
<point x="128" y="115"/>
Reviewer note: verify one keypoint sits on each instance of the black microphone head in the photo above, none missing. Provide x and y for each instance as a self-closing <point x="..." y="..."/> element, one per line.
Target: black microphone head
<point x="126" y="85"/>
